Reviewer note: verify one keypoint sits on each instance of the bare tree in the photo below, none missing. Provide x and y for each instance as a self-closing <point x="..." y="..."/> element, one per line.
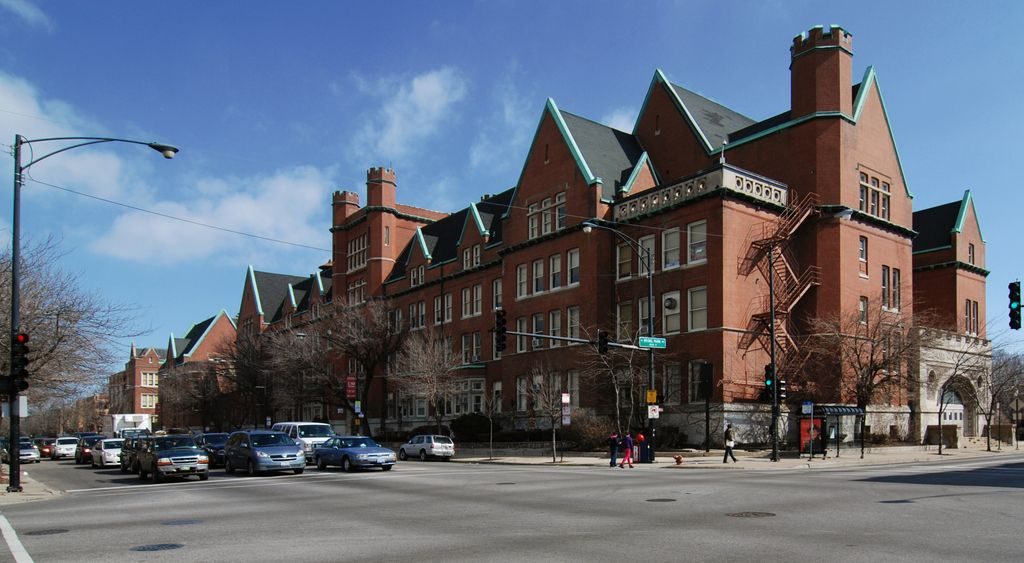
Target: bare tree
<point x="546" y="400"/>
<point x="368" y="334"/>
<point x="73" y="333"/>
<point x="427" y="367"/>
<point x="247" y="377"/>
<point x="868" y="352"/>
<point x="1003" y="377"/>
<point x="302" y="364"/>
<point x="490" y="408"/>
<point x="622" y="373"/>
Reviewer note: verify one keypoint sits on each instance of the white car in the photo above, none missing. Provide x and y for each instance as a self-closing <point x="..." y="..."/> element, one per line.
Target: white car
<point x="63" y="447"/>
<point x="107" y="452"/>
<point x="308" y="435"/>
<point x="427" y="446"/>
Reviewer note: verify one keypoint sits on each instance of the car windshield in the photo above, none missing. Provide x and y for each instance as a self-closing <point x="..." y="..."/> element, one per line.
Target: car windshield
<point x="66" y="441"/>
<point x="171" y="443"/>
<point x="215" y="439"/>
<point x="357" y="443"/>
<point x="112" y="444"/>
<point x="275" y="439"/>
<point x="314" y="431"/>
<point x="90" y="440"/>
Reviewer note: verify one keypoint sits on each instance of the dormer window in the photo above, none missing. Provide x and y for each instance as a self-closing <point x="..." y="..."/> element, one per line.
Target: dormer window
<point x="416" y="276"/>
<point x="546" y="217"/>
<point x="874" y="196"/>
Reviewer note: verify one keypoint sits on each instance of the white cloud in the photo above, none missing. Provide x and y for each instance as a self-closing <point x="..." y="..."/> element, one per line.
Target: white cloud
<point x="288" y="205"/>
<point x="97" y="171"/>
<point x="28" y="12"/>
<point x="504" y="136"/>
<point x="622" y="119"/>
<point x="411" y="112"/>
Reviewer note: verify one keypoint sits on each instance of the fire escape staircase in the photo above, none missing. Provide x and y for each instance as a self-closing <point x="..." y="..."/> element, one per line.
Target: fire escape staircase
<point x="769" y="254"/>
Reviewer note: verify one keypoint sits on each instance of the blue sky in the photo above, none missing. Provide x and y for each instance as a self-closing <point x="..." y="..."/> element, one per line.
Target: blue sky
<point x="277" y="105"/>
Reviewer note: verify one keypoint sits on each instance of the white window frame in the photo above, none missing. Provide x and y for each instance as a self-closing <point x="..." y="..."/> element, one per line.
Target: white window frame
<point x="624" y="322"/>
<point x="573" y="266"/>
<point x="522" y="282"/>
<point x="555" y="271"/>
<point x="623" y="262"/>
<point x="647" y="248"/>
<point x="691" y="310"/>
<point x="694" y="394"/>
<point x="671" y="318"/>
<point x="670" y="249"/>
<point x="572" y="322"/>
<point x="496" y="296"/>
<point x="521" y="324"/>
<point x="671" y="383"/>
<point x="555" y="326"/>
<point x="538" y="276"/>
<point x="467" y="303"/>
<point x="697" y="248"/>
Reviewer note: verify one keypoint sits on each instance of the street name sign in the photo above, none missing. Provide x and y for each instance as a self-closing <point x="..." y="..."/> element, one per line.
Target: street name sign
<point x="652" y="342"/>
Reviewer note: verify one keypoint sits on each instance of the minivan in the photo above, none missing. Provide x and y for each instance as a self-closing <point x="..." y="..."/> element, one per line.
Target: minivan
<point x="309" y="435"/>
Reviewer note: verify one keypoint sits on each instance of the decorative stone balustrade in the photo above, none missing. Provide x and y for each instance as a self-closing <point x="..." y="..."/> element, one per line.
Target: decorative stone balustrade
<point x="724" y="177"/>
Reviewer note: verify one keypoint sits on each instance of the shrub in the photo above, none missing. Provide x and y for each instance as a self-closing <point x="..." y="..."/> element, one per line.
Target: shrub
<point x="587" y="430"/>
<point x="472" y="427"/>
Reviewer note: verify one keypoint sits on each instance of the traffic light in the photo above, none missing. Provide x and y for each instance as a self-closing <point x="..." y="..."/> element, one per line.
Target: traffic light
<point x="782" y="389"/>
<point x="769" y="376"/>
<point x="500" y="330"/>
<point x="19" y="362"/>
<point x="1015" y="305"/>
<point x="602" y="341"/>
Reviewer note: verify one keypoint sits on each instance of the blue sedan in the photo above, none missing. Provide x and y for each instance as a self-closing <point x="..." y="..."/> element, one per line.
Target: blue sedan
<point x="353" y="452"/>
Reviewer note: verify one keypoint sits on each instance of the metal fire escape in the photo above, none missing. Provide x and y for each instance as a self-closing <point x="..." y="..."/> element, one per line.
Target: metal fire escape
<point x="770" y="254"/>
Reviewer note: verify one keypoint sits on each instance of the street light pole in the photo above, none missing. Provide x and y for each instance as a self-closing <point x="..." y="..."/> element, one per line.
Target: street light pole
<point x="644" y="255"/>
<point x="168" y="151"/>
<point x="771" y="337"/>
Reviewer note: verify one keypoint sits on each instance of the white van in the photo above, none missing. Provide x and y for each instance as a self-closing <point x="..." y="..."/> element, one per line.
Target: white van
<point x="309" y="435"/>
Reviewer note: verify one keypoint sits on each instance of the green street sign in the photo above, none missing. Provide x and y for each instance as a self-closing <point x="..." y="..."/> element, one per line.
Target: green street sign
<point x="652" y="342"/>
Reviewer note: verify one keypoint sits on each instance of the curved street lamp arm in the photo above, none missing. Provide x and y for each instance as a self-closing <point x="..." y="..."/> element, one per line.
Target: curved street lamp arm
<point x="642" y="252"/>
<point x="167" y="150"/>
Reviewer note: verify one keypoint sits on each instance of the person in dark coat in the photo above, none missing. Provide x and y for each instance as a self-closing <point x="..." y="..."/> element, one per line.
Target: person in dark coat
<point x="730" y="441"/>
<point x="613" y="447"/>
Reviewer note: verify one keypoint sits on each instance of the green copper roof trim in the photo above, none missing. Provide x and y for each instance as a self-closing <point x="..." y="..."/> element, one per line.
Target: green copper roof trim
<point x="551" y="108"/>
<point x="171" y="346"/>
<point x="958" y="227"/>
<point x="255" y="290"/>
<point x="209" y="327"/>
<point x="291" y="296"/>
<point x="319" y="282"/>
<point x="660" y="78"/>
<point x="643" y="161"/>
<point x="871" y="79"/>
<point x="423" y="244"/>
<point x="569" y="140"/>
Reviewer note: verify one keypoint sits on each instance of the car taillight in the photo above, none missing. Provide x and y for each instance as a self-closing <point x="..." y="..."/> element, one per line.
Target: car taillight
<point x="86" y="450"/>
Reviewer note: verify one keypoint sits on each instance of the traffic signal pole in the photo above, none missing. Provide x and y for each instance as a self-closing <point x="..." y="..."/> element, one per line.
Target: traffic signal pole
<point x="13" y="447"/>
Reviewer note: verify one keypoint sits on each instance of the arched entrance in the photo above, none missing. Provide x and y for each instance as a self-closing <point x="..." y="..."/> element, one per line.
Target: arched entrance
<point x="957" y="405"/>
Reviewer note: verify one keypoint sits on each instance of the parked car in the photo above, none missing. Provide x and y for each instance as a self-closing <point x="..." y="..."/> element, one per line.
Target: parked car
<point x="427" y="446"/>
<point x="258" y="451"/>
<point x="45" y="446"/>
<point x="352" y="452"/>
<point x="129" y="449"/>
<point x="28" y="452"/>
<point x="309" y="435"/>
<point x="176" y="455"/>
<point x="107" y="452"/>
<point x="64" y="447"/>
<point x="213" y="444"/>
<point x="83" y="451"/>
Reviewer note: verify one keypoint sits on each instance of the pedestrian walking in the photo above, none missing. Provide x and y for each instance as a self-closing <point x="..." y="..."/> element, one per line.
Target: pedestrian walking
<point x="627" y="451"/>
<point x="613" y="448"/>
<point x="730" y="441"/>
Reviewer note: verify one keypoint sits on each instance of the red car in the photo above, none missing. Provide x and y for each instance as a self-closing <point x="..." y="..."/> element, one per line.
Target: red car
<point x="45" y="446"/>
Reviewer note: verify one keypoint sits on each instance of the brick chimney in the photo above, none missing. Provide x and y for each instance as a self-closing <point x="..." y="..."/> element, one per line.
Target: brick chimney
<point x="380" y="187"/>
<point x="820" y="71"/>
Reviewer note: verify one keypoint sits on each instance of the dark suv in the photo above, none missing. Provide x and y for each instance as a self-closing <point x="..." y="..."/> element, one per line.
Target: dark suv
<point x="128" y="452"/>
<point x="171" y="456"/>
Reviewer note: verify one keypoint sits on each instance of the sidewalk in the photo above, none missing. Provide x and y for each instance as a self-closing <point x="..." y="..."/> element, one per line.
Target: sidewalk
<point x="748" y="460"/>
<point x="31" y="490"/>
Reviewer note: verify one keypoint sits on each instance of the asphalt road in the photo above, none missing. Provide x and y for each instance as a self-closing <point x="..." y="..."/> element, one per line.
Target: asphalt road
<point x="942" y="511"/>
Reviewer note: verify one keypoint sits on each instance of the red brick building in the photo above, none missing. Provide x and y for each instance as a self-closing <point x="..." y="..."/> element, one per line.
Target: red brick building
<point x="134" y="390"/>
<point x="812" y="200"/>
<point x="190" y="388"/>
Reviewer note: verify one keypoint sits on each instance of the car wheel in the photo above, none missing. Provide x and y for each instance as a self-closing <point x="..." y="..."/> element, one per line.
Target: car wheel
<point x="251" y="468"/>
<point x="204" y="476"/>
<point x="320" y="463"/>
<point x="447" y="458"/>
<point x="155" y="476"/>
<point x="300" y="470"/>
<point x="346" y="465"/>
<point x="402" y="456"/>
<point x="387" y="467"/>
<point x="227" y="466"/>
<point x="423" y="455"/>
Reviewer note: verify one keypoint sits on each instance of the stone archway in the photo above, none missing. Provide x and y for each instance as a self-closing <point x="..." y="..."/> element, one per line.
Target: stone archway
<point x="958" y="405"/>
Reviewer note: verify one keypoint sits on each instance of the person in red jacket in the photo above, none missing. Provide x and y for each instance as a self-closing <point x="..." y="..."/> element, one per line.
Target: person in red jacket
<point x="627" y="450"/>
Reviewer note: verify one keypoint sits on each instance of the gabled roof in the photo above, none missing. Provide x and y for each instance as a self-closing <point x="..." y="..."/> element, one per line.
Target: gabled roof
<point x="714" y="121"/>
<point x="183" y="347"/>
<point x="936" y="226"/>
<point x="270" y="291"/>
<point x="610" y="154"/>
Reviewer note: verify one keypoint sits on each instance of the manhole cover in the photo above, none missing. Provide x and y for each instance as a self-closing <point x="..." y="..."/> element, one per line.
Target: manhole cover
<point x="157" y="547"/>
<point x="181" y="522"/>
<point x="751" y="514"/>
<point x="45" y="532"/>
<point x="661" y="500"/>
<point x="504" y="483"/>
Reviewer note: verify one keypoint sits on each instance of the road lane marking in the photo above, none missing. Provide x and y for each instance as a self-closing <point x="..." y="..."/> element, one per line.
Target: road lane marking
<point x="13" y="543"/>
